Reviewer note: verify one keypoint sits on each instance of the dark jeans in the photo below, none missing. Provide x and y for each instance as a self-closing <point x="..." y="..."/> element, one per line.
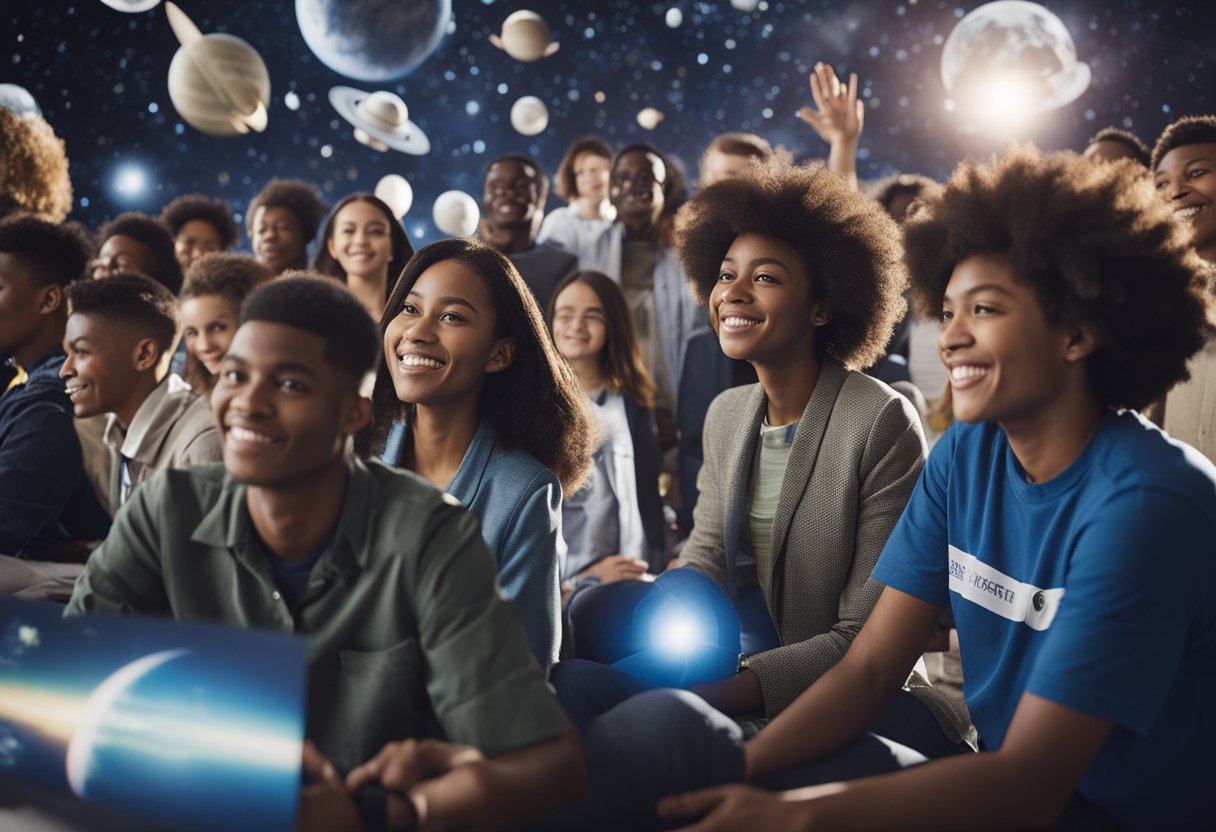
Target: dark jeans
<point x="643" y="744"/>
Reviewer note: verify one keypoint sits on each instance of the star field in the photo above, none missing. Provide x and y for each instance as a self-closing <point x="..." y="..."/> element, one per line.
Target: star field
<point x="99" y="76"/>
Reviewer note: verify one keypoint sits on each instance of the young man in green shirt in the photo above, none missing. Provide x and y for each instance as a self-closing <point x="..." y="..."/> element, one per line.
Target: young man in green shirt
<point x="390" y="580"/>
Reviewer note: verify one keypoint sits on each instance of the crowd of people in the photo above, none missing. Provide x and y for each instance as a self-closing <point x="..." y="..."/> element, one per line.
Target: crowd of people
<point x="465" y="471"/>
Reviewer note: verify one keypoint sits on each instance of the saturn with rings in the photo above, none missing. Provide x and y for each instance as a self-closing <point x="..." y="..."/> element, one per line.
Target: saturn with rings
<point x="381" y="120"/>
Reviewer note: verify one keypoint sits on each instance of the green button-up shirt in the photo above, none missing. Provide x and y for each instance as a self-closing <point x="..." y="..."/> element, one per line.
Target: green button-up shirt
<point x="408" y="634"/>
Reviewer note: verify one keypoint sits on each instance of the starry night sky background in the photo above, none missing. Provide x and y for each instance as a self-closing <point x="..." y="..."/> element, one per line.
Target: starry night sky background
<point x="99" y="76"/>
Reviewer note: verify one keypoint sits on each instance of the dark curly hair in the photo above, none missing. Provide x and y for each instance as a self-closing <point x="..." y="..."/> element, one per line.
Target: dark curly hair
<point x="323" y="307"/>
<point x="848" y="243"/>
<point x="535" y="404"/>
<point x="621" y="358"/>
<point x="46" y="252"/>
<point x="132" y="300"/>
<point x="564" y="183"/>
<point x="1131" y="141"/>
<point x="298" y="197"/>
<point x="156" y="238"/>
<point x="890" y="188"/>
<point x="33" y="168"/>
<point x="1184" y="131"/>
<point x="214" y="212"/>
<point x="403" y="250"/>
<point x="1096" y="244"/>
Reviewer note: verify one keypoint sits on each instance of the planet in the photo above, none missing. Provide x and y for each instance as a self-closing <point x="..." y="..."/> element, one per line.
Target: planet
<point x="165" y="733"/>
<point x="373" y="40"/>
<point x="396" y="193"/>
<point x="745" y="5"/>
<point x="218" y="83"/>
<point x="529" y="115"/>
<point x="381" y="120"/>
<point x="1021" y="48"/>
<point x="649" y="118"/>
<point x="456" y="214"/>
<point x="674" y="17"/>
<point x="19" y="100"/>
<point x="131" y="6"/>
<point x="525" y="37"/>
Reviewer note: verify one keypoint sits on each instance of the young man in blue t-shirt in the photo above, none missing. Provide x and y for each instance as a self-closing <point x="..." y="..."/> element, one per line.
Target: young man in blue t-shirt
<point x="1074" y="543"/>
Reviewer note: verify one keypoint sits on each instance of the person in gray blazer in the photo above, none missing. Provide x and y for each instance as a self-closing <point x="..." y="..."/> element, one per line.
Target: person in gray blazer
<point x="805" y="475"/>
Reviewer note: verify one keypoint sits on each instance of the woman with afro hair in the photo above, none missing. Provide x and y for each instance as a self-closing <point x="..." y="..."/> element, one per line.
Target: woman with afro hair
<point x="805" y="474"/>
<point x="1068" y="299"/>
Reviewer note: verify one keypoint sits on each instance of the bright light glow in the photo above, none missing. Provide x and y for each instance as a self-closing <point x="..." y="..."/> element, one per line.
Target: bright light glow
<point x="677" y="635"/>
<point x="131" y="181"/>
<point x="1003" y="102"/>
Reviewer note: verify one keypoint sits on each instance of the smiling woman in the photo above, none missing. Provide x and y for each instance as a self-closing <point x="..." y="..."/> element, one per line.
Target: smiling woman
<point x="364" y="246"/>
<point x="473" y="397"/>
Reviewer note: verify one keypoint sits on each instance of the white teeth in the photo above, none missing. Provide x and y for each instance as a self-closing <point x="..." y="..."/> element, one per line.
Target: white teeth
<point x="967" y="371"/>
<point x="735" y="321"/>
<point x="72" y="391"/>
<point x="1186" y="213"/>
<point x="420" y="361"/>
<point x="245" y="435"/>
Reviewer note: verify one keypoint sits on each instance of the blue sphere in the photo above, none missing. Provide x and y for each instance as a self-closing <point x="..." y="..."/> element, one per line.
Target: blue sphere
<point x="373" y="40"/>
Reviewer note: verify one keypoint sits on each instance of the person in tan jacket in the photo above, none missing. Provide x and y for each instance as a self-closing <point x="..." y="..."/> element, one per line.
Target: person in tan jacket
<point x="120" y="335"/>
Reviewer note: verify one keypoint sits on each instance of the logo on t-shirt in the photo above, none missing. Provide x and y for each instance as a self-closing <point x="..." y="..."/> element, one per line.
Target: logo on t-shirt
<point x="997" y="592"/>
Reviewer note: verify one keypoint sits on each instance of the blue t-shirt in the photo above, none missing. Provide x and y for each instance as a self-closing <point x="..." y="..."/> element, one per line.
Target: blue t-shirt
<point x="1095" y="590"/>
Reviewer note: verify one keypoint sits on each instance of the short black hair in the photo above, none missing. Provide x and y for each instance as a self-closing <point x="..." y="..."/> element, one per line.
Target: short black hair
<point x="47" y="252"/>
<point x="214" y="212"/>
<point x="1131" y="141"/>
<point x="324" y="307"/>
<point x="156" y="237"/>
<point x="132" y="300"/>
<point x="849" y="244"/>
<point x="298" y="197"/>
<point x="1184" y="131"/>
<point x="1095" y="243"/>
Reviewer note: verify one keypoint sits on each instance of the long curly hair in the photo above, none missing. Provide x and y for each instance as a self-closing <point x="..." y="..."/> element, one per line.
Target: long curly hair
<point x="535" y="404"/>
<point x="33" y="169"/>
<point x="1096" y="244"/>
<point x="848" y="242"/>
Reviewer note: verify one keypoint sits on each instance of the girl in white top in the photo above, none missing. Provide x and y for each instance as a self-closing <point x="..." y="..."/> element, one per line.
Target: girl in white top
<point x="582" y="180"/>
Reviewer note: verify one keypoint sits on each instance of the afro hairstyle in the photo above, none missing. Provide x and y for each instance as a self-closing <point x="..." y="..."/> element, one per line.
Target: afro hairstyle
<point x="133" y="301"/>
<point x="1184" y="131"/>
<point x="848" y="243"/>
<point x="46" y="252"/>
<point x="324" y="307"/>
<point x="1131" y="141"/>
<point x="156" y="237"/>
<point x="230" y="276"/>
<point x="298" y="197"/>
<point x="214" y="212"/>
<point x="565" y="182"/>
<point x="33" y="168"/>
<point x="1096" y="244"/>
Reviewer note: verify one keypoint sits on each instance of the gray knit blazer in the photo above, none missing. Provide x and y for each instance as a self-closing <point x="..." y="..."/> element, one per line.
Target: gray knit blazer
<point x="855" y="459"/>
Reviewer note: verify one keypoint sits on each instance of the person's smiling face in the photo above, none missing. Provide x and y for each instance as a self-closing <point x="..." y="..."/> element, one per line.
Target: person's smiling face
<point x="763" y="306"/>
<point x="1006" y="362"/>
<point x="580" y="328"/>
<point x="361" y="243"/>
<point x="512" y="192"/>
<point x="284" y="411"/>
<point x="441" y="344"/>
<point x="1186" y="179"/>
<point x="208" y="324"/>
<point x="637" y="187"/>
